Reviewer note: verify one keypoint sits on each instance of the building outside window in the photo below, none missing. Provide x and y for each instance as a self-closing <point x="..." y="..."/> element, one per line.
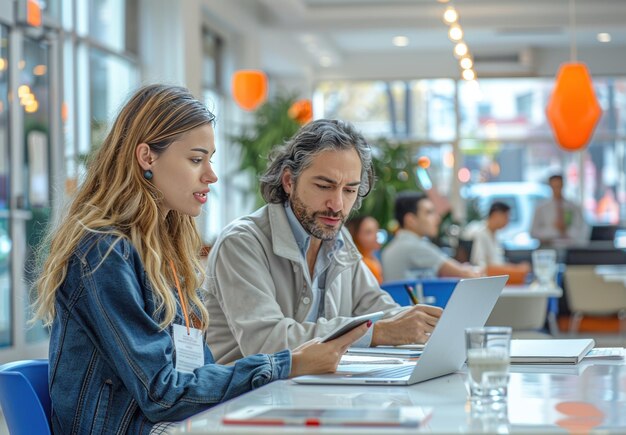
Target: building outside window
<point x="502" y="135"/>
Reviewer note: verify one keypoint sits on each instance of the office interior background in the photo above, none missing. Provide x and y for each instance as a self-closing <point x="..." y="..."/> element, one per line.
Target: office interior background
<point x="385" y="65"/>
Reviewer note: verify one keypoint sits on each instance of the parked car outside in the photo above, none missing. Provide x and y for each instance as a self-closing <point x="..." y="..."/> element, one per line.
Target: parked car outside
<point x="521" y="196"/>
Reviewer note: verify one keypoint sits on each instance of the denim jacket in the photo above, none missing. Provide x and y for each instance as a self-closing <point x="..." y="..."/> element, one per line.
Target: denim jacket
<point x="112" y="366"/>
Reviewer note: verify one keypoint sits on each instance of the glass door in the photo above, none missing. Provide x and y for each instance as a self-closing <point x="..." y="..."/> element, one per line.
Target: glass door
<point x="29" y="90"/>
<point x="34" y="92"/>
<point x="5" y="176"/>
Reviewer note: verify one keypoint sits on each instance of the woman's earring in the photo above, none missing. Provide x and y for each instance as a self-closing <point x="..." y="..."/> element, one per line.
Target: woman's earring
<point x="147" y="174"/>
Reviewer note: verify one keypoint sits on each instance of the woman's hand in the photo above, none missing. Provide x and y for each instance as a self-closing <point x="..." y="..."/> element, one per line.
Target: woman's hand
<point x="315" y="357"/>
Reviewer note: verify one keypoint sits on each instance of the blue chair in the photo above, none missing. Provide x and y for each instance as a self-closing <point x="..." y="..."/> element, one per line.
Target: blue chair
<point x="24" y="397"/>
<point x="432" y="291"/>
<point x="397" y="291"/>
<point x="552" y="324"/>
<point x="437" y="291"/>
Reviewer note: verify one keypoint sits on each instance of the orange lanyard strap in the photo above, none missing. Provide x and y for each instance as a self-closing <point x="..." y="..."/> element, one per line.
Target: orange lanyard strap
<point x="180" y="295"/>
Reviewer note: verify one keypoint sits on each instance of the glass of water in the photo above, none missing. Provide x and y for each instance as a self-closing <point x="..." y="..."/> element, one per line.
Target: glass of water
<point x="544" y="266"/>
<point x="488" y="358"/>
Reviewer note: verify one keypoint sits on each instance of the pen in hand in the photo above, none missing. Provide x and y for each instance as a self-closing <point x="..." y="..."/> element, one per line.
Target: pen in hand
<point x="412" y="296"/>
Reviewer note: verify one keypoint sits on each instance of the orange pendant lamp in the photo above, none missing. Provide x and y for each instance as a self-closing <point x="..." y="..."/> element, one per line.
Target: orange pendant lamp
<point x="249" y="88"/>
<point x="573" y="110"/>
<point x="301" y="111"/>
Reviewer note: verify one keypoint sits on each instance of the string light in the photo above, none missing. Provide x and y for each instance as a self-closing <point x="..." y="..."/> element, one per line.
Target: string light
<point x="468" y="74"/>
<point x="450" y="15"/>
<point x="461" y="50"/>
<point x="466" y="62"/>
<point x="455" y="33"/>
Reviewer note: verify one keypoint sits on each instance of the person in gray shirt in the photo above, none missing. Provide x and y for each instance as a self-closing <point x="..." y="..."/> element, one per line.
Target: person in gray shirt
<point x="411" y="254"/>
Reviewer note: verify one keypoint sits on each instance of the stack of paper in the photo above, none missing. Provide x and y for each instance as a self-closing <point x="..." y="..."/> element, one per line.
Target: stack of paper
<point x="550" y="351"/>
<point x="387" y="351"/>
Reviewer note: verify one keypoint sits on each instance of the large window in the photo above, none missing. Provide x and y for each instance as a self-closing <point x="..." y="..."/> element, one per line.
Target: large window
<point x="505" y="137"/>
<point x="491" y="131"/>
<point x="214" y="216"/>
<point x="111" y="80"/>
<point x="421" y="109"/>
<point x="105" y="25"/>
<point x="103" y="60"/>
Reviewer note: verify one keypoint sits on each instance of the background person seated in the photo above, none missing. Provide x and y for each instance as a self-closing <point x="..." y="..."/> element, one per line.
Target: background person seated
<point x="559" y="220"/>
<point x="364" y="230"/>
<point x="411" y="252"/>
<point x="487" y="251"/>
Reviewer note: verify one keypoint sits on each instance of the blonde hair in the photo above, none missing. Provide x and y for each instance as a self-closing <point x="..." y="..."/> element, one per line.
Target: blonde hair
<point x="115" y="198"/>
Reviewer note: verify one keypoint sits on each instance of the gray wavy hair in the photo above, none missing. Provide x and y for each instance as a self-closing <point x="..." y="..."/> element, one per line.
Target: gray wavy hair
<point x="297" y="154"/>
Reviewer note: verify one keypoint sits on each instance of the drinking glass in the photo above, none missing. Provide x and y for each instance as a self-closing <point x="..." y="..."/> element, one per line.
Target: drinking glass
<point x="544" y="266"/>
<point x="488" y="359"/>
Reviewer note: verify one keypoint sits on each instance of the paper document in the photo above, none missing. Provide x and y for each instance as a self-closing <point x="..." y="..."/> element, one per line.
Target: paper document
<point x="414" y="346"/>
<point x="605" y="353"/>
<point x="384" y="351"/>
<point x="550" y="351"/>
<point x="364" y="359"/>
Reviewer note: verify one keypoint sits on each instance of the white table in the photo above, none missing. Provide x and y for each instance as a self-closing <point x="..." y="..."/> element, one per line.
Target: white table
<point x="525" y="307"/>
<point x="536" y="399"/>
<point x="531" y="291"/>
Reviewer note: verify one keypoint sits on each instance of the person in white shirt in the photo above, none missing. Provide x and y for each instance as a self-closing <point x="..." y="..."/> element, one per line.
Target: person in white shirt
<point x="559" y="220"/>
<point x="486" y="249"/>
<point x="411" y="253"/>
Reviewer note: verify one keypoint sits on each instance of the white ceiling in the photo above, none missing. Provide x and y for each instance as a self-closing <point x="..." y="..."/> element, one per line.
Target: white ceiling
<point x="344" y="38"/>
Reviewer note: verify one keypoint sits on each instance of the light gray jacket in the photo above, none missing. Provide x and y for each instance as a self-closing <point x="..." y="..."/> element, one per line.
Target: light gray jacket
<point x="259" y="295"/>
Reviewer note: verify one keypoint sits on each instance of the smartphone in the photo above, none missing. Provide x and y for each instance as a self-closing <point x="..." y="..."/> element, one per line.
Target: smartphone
<point x="356" y="321"/>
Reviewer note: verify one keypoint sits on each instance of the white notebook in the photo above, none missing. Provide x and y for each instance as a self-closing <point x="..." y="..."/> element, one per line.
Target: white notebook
<point x="550" y="351"/>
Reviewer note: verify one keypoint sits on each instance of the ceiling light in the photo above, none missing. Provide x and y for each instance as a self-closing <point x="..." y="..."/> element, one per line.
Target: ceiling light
<point x="400" y="41"/>
<point x="466" y="62"/>
<point x="468" y="74"/>
<point x="604" y="37"/>
<point x="326" y="61"/>
<point x="455" y="33"/>
<point x="450" y="15"/>
<point x="460" y="49"/>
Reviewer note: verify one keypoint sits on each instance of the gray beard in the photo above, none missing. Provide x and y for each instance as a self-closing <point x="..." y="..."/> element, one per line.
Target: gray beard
<point x="308" y="222"/>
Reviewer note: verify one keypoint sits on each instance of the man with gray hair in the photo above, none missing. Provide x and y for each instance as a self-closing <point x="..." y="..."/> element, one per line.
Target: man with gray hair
<point x="289" y="272"/>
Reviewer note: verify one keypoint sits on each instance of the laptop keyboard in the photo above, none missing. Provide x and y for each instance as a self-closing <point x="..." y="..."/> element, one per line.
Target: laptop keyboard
<point x="395" y="372"/>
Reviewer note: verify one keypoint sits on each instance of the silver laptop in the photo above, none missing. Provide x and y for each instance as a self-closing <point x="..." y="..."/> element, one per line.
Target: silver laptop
<point x="470" y="305"/>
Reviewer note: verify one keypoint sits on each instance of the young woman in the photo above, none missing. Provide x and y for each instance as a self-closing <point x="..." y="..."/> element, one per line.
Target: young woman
<point x="363" y="230"/>
<point x="119" y="286"/>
